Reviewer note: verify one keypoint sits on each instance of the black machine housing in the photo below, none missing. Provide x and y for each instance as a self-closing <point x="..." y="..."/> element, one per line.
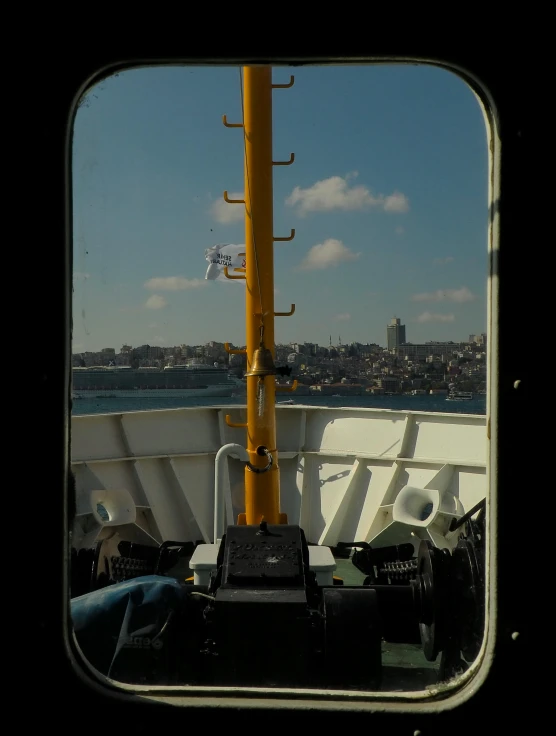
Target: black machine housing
<point x="270" y="624"/>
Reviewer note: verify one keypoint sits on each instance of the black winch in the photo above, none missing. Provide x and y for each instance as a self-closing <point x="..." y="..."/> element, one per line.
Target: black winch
<point x="264" y="621"/>
<point x="268" y="622"/>
<point x="95" y="568"/>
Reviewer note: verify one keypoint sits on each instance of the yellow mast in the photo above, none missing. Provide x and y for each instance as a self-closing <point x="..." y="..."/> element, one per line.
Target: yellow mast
<point x="262" y="489"/>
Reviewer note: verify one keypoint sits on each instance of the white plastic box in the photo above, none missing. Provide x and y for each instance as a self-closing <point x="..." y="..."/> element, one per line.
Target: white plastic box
<point x="322" y="562"/>
<point x="203" y="562"/>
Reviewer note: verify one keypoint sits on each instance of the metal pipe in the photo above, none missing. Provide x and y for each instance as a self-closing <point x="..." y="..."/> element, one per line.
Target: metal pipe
<point x="232" y="449"/>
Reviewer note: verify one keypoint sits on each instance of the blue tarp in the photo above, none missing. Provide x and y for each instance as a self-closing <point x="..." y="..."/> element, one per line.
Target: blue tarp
<point x="123" y="629"/>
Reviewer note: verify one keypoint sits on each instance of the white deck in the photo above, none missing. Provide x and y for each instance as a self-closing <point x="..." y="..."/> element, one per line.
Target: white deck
<point x="341" y="469"/>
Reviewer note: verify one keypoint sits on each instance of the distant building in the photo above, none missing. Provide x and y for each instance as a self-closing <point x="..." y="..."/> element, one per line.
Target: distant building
<point x="395" y="334"/>
<point x="422" y="351"/>
<point x="389" y="383"/>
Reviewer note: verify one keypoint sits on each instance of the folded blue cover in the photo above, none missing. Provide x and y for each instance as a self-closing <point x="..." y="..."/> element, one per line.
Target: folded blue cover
<point x="123" y="629"/>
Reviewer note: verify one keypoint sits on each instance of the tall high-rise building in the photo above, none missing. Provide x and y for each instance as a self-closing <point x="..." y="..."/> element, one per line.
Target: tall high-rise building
<point x="395" y="334"/>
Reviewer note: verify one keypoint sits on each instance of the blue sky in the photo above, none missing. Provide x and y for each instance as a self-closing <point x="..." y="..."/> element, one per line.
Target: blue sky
<point x="388" y="196"/>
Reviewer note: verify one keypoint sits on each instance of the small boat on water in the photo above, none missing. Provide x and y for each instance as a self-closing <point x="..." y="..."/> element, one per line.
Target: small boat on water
<point x="460" y="396"/>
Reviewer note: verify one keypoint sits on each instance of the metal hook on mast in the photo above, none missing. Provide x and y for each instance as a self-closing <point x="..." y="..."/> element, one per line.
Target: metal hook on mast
<point x="285" y="314"/>
<point x="285" y="163"/>
<point x="232" y="201"/>
<point x="231" y="125"/>
<point x="283" y="240"/>
<point x="284" y="86"/>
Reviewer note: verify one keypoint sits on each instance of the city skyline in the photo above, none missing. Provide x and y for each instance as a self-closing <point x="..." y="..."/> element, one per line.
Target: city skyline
<point x="334" y="343"/>
<point x="388" y="196"/>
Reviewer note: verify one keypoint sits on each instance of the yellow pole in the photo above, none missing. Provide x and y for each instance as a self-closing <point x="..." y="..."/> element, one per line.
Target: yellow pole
<point x="262" y="490"/>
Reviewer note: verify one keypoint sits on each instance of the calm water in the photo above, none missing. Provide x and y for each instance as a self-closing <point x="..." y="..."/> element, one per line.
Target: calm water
<point x="416" y="403"/>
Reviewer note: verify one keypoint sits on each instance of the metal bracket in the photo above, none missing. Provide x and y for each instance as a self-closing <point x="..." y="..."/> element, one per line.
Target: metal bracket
<point x="231" y="125"/>
<point x="285" y="314"/>
<point x="232" y="351"/>
<point x="284" y="86"/>
<point x="234" y="424"/>
<point x="285" y="163"/>
<point x="232" y="201"/>
<point x="261" y="451"/>
<point x="287" y="389"/>
<point x="228" y="275"/>
<point x="283" y="240"/>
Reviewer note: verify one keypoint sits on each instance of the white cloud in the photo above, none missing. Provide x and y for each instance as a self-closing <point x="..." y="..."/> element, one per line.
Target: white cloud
<point x="430" y="317"/>
<point x="344" y="317"/>
<point x="442" y="261"/>
<point x="335" y="193"/>
<point x="400" y="230"/>
<point x="446" y="295"/>
<point x="225" y="213"/>
<point x="174" y="283"/>
<point x="326" y="254"/>
<point x="156" y="302"/>
<point x="396" y="202"/>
